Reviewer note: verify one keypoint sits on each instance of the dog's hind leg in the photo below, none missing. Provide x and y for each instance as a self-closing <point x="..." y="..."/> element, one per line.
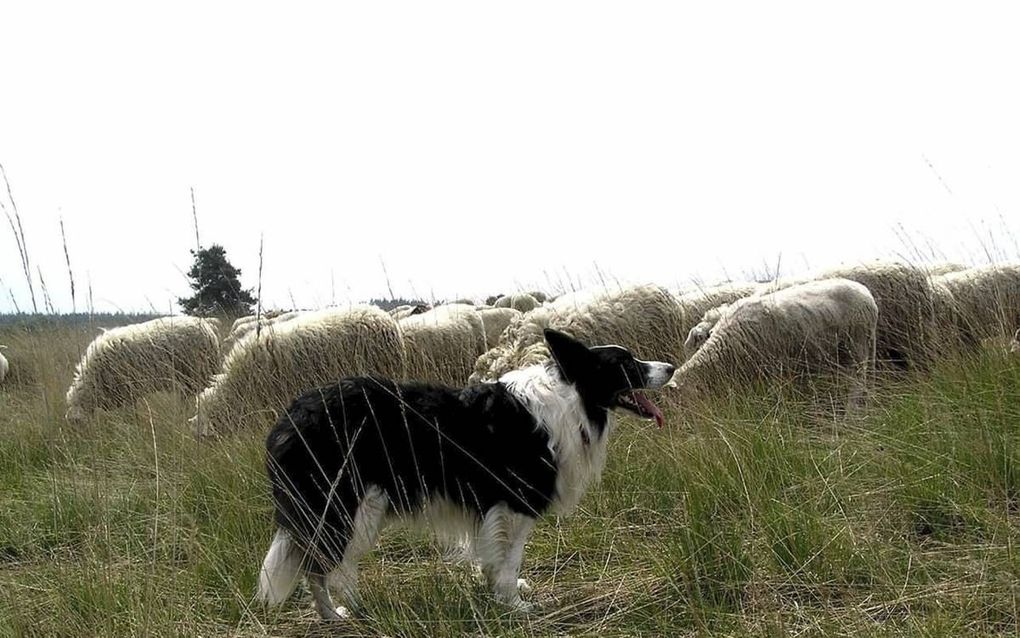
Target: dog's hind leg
<point x="368" y="522"/>
<point x="500" y="547"/>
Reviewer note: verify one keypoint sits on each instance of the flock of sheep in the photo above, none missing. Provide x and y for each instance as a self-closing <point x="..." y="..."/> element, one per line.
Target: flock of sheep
<point x="841" y="323"/>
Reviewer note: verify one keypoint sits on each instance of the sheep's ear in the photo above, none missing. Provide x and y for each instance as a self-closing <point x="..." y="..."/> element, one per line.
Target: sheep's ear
<point x="572" y="356"/>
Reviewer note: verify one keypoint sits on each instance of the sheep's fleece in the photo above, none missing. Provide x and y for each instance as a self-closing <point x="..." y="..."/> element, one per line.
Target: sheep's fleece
<point x="827" y="325"/>
<point x="263" y="374"/>
<point x="647" y="320"/>
<point x="441" y="345"/>
<point x="177" y="354"/>
<point x="985" y="302"/>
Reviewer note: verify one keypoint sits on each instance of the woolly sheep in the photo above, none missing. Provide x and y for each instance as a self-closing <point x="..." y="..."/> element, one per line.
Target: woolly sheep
<point x="934" y="270"/>
<point x="947" y="317"/>
<point x="495" y="321"/>
<point x="442" y="344"/>
<point x="696" y="303"/>
<point x="4" y="366"/>
<point x="522" y="302"/>
<point x="985" y="302"/>
<point x="907" y="330"/>
<point x="907" y="327"/>
<point x="241" y="331"/>
<point x="645" y="319"/>
<point x="402" y="312"/>
<point x="263" y="374"/>
<point x="820" y="326"/>
<point x="177" y="354"/>
<point x="698" y="335"/>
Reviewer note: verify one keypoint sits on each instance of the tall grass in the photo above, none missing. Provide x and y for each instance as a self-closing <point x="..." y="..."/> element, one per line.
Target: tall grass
<point x="748" y="515"/>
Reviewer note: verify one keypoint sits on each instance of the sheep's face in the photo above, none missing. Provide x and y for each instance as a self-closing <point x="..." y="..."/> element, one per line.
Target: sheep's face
<point x="75" y="400"/>
<point x="609" y="377"/>
<point x="697" y="337"/>
<point x="75" y="414"/>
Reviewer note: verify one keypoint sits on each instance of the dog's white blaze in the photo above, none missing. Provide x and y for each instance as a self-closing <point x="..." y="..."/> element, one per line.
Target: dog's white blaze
<point x="659" y="373"/>
<point x="557" y="407"/>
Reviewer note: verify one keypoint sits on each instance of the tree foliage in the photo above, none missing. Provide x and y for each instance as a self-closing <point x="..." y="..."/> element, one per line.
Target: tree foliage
<point x="216" y="285"/>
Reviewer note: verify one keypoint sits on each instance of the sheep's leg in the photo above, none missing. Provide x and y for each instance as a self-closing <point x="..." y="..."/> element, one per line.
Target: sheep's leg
<point x="857" y="399"/>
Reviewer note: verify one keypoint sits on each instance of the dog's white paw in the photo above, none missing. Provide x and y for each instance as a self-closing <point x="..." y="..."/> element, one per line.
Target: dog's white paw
<point x="523" y="586"/>
<point x="342" y="613"/>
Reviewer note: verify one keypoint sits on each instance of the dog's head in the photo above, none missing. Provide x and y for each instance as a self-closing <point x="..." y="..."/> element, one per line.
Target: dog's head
<point x="609" y="377"/>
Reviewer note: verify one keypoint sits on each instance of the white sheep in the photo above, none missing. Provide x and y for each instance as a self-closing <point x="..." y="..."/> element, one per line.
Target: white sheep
<point x="947" y="318"/>
<point x="647" y="320"/>
<point x="985" y="302"/>
<point x="908" y="330"/>
<point x="522" y="302"/>
<point x="251" y="326"/>
<point x="441" y="345"/>
<point x="176" y="354"/>
<point x="4" y="366"/>
<point x="699" y="334"/>
<point x="263" y="374"/>
<point x="695" y="303"/>
<point x="402" y="312"/>
<point x="907" y="327"/>
<point x="816" y="327"/>
<point x="495" y="321"/>
<point x="934" y="270"/>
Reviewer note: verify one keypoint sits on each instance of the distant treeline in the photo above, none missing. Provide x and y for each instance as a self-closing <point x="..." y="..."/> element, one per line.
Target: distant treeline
<point x="43" y="320"/>
<point x="390" y="304"/>
<point x="109" y="319"/>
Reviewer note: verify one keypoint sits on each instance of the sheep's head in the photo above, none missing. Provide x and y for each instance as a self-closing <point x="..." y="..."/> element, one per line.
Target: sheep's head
<point x="697" y="337"/>
<point x="700" y="333"/>
<point x="75" y="398"/>
<point x="75" y="415"/>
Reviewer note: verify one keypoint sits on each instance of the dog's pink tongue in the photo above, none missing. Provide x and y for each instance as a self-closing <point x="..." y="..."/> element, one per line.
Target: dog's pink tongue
<point x="649" y="407"/>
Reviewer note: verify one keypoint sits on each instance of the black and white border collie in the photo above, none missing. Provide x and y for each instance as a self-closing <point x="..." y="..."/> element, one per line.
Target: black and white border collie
<point x="478" y="464"/>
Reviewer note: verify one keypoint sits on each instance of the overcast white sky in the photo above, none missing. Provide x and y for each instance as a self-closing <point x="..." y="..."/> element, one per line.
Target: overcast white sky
<point x="479" y="147"/>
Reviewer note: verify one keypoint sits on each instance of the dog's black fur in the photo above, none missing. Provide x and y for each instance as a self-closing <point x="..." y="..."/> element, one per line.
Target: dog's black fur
<point x="476" y="447"/>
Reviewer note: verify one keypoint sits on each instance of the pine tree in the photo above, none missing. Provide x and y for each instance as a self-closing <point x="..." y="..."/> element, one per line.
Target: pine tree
<point x="217" y="287"/>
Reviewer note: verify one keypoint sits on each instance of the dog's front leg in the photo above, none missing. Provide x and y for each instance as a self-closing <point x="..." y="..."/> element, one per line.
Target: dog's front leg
<point x="502" y="537"/>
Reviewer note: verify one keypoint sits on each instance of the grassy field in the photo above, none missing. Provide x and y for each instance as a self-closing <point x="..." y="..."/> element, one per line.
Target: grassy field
<point x="758" y="515"/>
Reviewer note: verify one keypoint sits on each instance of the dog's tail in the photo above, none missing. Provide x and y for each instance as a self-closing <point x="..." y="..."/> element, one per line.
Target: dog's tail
<point x="281" y="570"/>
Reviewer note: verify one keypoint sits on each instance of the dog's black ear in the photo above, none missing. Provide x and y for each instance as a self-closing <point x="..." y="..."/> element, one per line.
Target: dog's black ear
<point x="572" y="356"/>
